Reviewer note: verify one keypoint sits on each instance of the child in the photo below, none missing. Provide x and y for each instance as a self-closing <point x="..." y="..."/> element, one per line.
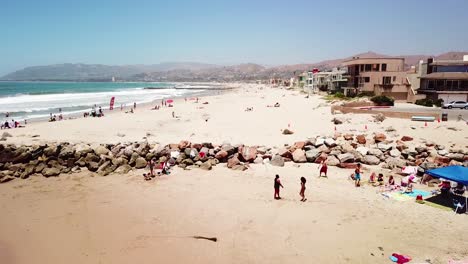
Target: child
<point x="323" y="168"/>
<point x="147" y="176"/>
<point x="277" y="186"/>
<point x="357" y="174"/>
<point x="301" y="193"/>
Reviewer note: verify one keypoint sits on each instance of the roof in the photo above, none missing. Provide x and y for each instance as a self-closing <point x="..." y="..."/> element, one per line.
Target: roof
<point x="356" y="59"/>
<point x="449" y="63"/>
<point x="454" y="173"/>
<point x="446" y="75"/>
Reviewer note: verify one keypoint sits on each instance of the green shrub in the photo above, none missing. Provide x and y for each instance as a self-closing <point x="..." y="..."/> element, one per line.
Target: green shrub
<point x="383" y="100"/>
<point x="439" y="102"/>
<point x="339" y="95"/>
<point x="425" y="102"/>
<point x="366" y="94"/>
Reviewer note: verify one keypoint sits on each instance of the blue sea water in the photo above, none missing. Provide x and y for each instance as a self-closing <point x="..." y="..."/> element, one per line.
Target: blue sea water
<point x="32" y="100"/>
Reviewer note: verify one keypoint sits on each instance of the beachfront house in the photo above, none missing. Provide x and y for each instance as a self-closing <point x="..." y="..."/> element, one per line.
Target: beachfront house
<point x="380" y="76"/>
<point x="445" y="79"/>
<point x="329" y="81"/>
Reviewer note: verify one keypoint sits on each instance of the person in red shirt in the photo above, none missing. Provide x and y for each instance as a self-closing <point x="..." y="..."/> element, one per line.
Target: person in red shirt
<point x="323" y="168"/>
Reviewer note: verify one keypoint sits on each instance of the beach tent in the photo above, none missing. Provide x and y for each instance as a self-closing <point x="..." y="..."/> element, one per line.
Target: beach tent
<point x="454" y="173"/>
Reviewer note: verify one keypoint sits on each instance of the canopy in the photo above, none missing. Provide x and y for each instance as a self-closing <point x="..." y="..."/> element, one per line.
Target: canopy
<point x="454" y="173"/>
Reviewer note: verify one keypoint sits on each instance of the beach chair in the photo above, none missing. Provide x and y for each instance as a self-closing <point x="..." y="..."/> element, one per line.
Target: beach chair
<point x="459" y="206"/>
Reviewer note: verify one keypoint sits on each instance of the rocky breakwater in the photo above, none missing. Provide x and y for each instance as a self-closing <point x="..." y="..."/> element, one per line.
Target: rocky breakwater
<point x="344" y="151"/>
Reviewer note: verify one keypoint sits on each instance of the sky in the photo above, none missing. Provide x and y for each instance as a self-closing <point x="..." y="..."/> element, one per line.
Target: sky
<point x="118" y="32"/>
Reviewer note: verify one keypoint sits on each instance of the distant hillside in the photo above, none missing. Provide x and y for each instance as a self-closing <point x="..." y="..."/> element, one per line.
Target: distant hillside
<point x="189" y="71"/>
<point x="78" y="71"/>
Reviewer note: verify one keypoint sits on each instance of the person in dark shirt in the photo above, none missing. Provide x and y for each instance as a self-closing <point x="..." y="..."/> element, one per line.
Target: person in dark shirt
<point x="301" y="193"/>
<point x="277" y="185"/>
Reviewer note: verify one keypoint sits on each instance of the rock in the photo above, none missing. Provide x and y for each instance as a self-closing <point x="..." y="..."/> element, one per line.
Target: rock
<point x="262" y="150"/>
<point x="390" y="129"/>
<point x="346" y="157"/>
<point x="332" y="161"/>
<point x="299" y="156"/>
<point x="239" y="167"/>
<point x="406" y="138"/>
<point x="229" y="149"/>
<point x="299" y="145"/>
<point x="206" y="165"/>
<point x="371" y="160"/>
<point x="421" y="149"/>
<point x="258" y="160"/>
<point x="330" y="142"/>
<point x="92" y="166"/>
<point x="221" y="155"/>
<point x="337" y="121"/>
<point x="28" y="170"/>
<point x="428" y="165"/>
<point x="287" y="132"/>
<point x="392" y="163"/>
<point x="442" y="160"/>
<point x="361" y="139"/>
<point x="49" y="172"/>
<point x="348" y="165"/>
<point x="248" y="153"/>
<point x="319" y="142"/>
<point x="106" y="168"/>
<point x="395" y="153"/>
<point x="323" y="156"/>
<point x="277" y="160"/>
<point x="101" y="150"/>
<point x="7" y="178"/>
<point x="379" y="137"/>
<point x="384" y="147"/>
<point x="187" y="162"/>
<point x="184" y="144"/>
<point x="133" y="159"/>
<point x="375" y="152"/>
<point x="456" y="156"/>
<point x="120" y="134"/>
<point x="379" y="117"/>
<point x="233" y="162"/>
<point x="362" y="150"/>
<point x="66" y="152"/>
<point x="6" y="135"/>
<point x="123" y="169"/>
<point x="39" y="167"/>
<point x="312" y="154"/>
<point x="140" y="163"/>
<point x="348" y="137"/>
<point x="440" y="147"/>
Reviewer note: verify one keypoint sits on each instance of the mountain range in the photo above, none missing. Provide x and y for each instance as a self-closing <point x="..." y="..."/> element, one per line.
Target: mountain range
<point x="190" y="71"/>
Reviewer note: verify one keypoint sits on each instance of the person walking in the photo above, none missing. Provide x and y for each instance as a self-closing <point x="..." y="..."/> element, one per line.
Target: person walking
<point x="277" y="186"/>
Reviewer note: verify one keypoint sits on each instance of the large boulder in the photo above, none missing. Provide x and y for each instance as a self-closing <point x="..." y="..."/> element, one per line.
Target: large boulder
<point x="362" y="150"/>
<point x="456" y="156"/>
<point x="140" y="163"/>
<point x="92" y="166"/>
<point x="375" y="152"/>
<point x="346" y="157"/>
<point x="379" y="137"/>
<point x="370" y="160"/>
<point x="277" y="160"/>
<point x="361" y="139"/>
<point x="330" y="142"/>
<point x="106" y="168"/>
<point x="332" y="161"/>
<point x="248" y="153"/>
<point x="299" y="156"/>
<point x="392" y="163"/>
<point x="123" y="169"/>
<point x="66" y="152"/>
<point x="384" y="147"/>
<point x="49" y="172"/>
<point x="395" y="153"/>
<point x="406" y="138"/>
<point x="312" y="154"/>
<point x="319" y="142"/>
<point x="206" y="165"/>
<point x="233" y="161"/>
<point x="184" y="144"/>
<point x="221" y="155"/>
<point x="101" y="150"/>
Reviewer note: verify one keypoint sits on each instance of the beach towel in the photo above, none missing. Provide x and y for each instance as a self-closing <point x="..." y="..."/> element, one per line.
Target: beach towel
<point x="418" y="192"/>
<point x="398" y="196"/>
<point x="409" y="170"/>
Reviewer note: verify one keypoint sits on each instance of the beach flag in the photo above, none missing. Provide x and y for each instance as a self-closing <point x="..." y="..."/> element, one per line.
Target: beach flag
<point x="111" y="106"/>
<point x="365" y="127"/>
<point x="425" y="124"/>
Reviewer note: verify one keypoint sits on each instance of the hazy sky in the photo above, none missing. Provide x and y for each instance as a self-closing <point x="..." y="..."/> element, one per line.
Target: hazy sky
<point x="40" y="32"/>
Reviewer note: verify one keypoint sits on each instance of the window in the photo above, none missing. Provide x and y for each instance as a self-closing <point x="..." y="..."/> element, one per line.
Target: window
<point x="430" y="84"/>
<point x="386" y="80"/>
<point x="464" y="85"/>
<point x="375" y="67"/>
<point x="440" y="84"/>
<point x="362" y="67"/>
<point x="366" y="79"/>
<point x="368" y="67"/>
<point x="394" y="78"/>
<point x="384" y="67"/>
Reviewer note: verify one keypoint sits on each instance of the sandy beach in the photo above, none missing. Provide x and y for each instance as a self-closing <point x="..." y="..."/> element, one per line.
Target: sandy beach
<point x="85" y="218"/>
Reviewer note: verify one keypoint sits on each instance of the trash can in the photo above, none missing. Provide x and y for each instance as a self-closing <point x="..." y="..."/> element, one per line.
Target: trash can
<point x="444" y="117"/>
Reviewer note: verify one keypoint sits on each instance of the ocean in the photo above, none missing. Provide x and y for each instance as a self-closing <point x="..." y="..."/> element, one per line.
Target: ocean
<point x="36" y="100"/>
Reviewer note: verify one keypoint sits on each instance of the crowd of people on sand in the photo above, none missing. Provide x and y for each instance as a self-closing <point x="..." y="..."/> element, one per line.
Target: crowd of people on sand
<point x="11" y="124"/>
<point x="161" y="168"/>
<point x="94" y="113"/>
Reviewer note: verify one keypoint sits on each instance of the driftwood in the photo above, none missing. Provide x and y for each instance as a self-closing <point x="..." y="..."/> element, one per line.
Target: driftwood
<point x="214" y="239"/>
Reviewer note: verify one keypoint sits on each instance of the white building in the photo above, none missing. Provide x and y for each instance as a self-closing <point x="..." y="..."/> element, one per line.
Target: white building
<point x="325" y="81"/>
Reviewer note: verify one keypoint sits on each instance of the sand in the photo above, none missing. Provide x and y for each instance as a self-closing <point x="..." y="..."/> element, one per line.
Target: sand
<point x="124" y="219"/>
